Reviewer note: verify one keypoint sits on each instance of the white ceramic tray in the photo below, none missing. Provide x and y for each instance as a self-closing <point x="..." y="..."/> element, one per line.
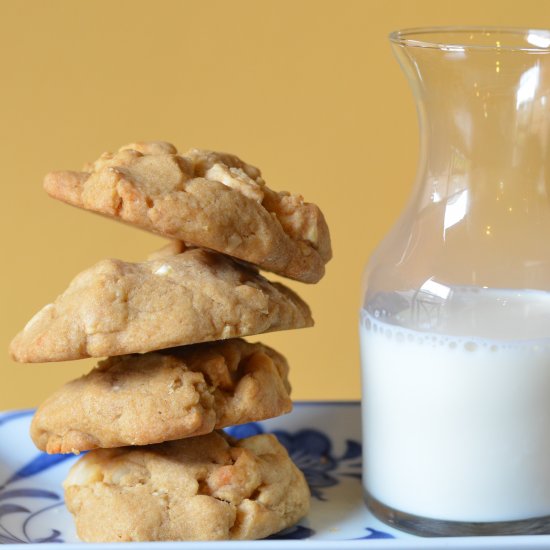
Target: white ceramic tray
<point x="324" y="439"/>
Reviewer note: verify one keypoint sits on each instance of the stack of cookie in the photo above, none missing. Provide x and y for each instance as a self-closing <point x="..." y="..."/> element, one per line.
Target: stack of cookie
<point x="177" y="371"/>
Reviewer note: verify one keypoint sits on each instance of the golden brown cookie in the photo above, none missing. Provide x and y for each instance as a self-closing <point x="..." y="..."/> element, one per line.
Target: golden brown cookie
<point x="210" y="487"/>
<point x="207" y="199"/>
<point x="156" y="397"/>
<point x="116" y="308"/>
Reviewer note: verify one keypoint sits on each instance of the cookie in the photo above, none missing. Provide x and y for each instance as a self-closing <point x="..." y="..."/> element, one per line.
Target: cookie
<point x="210" y="487"/>
<point x="156" y="397"/>
<point x="207" y="199"/>
<point x="117" y="308"/>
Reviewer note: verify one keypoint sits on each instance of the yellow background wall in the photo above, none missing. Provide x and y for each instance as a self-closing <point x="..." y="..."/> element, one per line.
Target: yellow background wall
<point x="305" y="89"/>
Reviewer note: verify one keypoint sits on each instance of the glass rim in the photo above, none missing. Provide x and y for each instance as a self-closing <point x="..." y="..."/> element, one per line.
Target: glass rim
<point x="538" y="39"/>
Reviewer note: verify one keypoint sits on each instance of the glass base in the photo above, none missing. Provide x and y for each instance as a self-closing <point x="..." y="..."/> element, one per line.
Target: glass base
<point x="428" y="527"/>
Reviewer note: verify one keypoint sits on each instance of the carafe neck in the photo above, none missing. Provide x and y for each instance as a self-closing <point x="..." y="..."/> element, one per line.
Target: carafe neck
<point x="484" y="117"/>
<point x="480" y="212"/>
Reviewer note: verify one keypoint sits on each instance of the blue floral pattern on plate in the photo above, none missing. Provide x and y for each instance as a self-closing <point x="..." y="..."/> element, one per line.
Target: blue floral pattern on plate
<point x="23" y="498"/>
<point x="311" y="451"/>
<point x="10" y="497"/>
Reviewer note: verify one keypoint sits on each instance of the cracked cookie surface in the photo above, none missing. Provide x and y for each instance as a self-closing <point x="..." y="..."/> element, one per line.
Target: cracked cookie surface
<point x="117" y="308"/>
<point x="162" y="396"/>
<point x="204" y="198"/>
<point x="209" y="487"/>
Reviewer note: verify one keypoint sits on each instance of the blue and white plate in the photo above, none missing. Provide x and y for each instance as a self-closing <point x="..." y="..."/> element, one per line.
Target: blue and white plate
<point x="324" y="440"/>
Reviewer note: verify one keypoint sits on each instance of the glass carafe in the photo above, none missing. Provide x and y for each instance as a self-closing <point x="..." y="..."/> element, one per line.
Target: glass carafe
<point x="455" y="317"/>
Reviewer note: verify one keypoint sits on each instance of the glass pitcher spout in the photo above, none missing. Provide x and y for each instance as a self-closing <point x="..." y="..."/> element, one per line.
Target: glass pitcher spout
<point x="455" y="331"/>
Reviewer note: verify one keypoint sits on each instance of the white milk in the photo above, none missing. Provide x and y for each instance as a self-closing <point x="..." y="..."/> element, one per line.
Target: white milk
<point x="456" y="424"/>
